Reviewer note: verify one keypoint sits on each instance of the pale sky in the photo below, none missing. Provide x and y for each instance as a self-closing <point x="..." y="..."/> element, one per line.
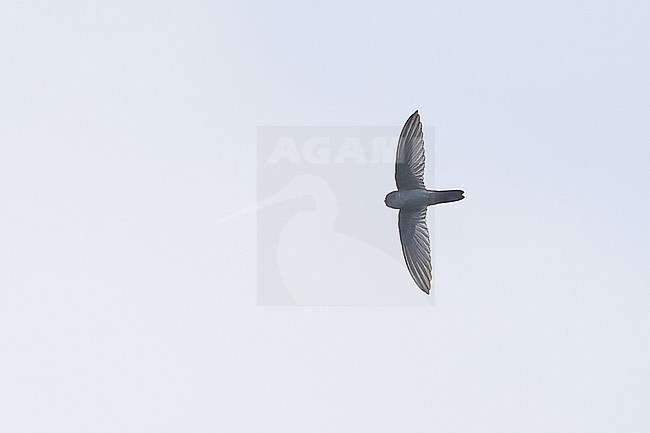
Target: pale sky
<point x="128" y="129"/>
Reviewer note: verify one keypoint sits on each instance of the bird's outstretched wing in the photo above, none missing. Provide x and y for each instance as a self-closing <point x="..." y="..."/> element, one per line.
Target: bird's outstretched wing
<point x="409" y="163"/>
<point x="414" y="235"/>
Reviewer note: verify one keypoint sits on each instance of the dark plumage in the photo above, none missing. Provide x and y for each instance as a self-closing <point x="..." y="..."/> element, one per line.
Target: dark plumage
<point x="412" y="199"/>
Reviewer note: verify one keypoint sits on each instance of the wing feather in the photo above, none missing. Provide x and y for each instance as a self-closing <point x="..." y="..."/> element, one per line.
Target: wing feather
<point x="409" y="162"/>
<point x="414" y="236"/>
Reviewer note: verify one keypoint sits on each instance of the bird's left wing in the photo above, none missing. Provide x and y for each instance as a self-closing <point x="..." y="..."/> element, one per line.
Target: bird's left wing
<point x="414" y="234"/>
<point x="409" y="161"/>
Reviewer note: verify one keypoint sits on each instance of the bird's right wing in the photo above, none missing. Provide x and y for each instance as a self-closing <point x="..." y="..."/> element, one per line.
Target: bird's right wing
<point x="409" y="162"/>
<point x="414" y="235"/>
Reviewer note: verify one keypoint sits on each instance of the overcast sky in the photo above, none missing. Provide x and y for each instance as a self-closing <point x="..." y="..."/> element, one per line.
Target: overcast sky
<point x="128" y="129"/>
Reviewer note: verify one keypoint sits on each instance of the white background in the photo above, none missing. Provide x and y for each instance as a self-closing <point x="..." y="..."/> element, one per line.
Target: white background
<point x="128" y="128"/>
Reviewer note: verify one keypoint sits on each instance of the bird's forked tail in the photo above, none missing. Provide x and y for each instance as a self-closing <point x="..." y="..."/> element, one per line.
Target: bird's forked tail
<point x="447" y="196"/>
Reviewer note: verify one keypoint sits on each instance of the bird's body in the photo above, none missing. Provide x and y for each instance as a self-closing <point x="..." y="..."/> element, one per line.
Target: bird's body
<point x="412" y="199"/>
<point x="418" y="198"/>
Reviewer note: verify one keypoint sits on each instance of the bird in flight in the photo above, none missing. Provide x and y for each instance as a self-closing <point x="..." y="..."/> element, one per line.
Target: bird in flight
<point x="412" y="199"/>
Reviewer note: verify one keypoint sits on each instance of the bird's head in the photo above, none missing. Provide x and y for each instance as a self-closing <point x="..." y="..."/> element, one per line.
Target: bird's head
<point x="391" y="199"/>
